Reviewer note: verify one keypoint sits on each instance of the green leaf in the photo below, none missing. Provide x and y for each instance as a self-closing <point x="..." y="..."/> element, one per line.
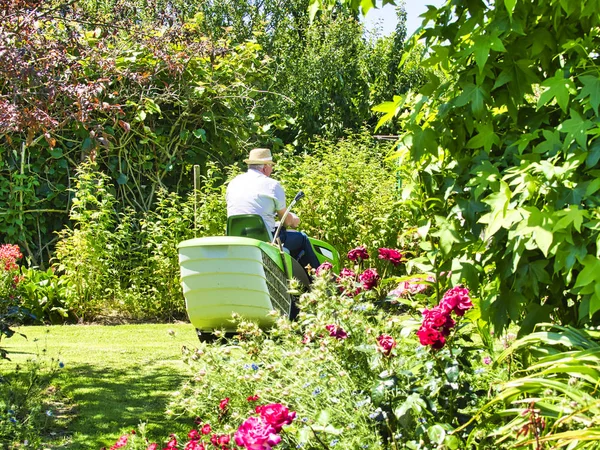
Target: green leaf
<point x="593" y="154"/>
<point x="56" y="152"/>
<point x="424" y="141"/>
<point x="589" y="275"/>
<point x="436" y="434"/>
<point x="475" y="95"/>
<point x="592" y="187"/>
<point x="558" y="87"/>
<point x="574" y="215"/>
<point x="324" y="417"/>
<point x="591" y="89"/>
<point x="87" y="144"/>
<point x="595" y="300"/>
<point x="122" y="178"/>
<point x="576" y="128"/>
<point x="390" y="109"/>
<point x="539" y="228"/>
<point x="313" y="7"/>
<point x="482" y="47"/>
<point x="366" y="5"/>
<point x="486" y="138"/>
<point x="498" y="202"/>
<point x="510" y="6"/>
<point x="200" y="133"/>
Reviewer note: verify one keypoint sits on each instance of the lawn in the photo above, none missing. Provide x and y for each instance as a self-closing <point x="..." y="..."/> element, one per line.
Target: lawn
<point x="110" y="378"/>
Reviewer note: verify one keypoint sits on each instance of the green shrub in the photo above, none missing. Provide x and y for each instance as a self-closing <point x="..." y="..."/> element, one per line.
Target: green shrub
<point x="350" y="189"/>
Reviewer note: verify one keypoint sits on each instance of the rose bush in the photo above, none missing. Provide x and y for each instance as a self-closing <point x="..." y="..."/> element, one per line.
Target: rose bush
<point x="351" y="372"/>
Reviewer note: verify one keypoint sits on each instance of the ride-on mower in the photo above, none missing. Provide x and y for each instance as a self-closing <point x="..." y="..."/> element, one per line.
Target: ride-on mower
<point x="246" y="272"/>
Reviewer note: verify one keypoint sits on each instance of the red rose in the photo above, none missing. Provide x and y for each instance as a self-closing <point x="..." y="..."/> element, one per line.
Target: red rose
<point x="457" y="300"/>
<point x="430" y="336"/>
<point x="336" y="331"/>
<point x="386" y="344"/>
<point x="223" y="404"/>
<point x="391" y="255"/>
<point x="369" y="279"/>
<point x="358" y="254"/>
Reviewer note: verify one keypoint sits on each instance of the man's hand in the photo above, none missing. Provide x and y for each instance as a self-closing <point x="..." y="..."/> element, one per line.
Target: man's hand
<point x="291" y="220"/>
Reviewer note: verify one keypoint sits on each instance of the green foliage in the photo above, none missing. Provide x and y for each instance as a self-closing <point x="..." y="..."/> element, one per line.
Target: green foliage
<point x="83" y="253"/>
<point x="350" y="192"/>
<point x="43" y="294"/>
<point x="28" y="403"/>
<point x="127" y="264"/>
<point x="346" y="389"/>
<point x="323" y="85"/>
<point x="145" y="104"/>
<point x="506" y="155"/>
<point x="555" y="399"/>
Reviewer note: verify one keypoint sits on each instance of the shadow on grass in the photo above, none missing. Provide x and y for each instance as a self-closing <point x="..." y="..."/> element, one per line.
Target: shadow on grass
<point x="109" y="402"/>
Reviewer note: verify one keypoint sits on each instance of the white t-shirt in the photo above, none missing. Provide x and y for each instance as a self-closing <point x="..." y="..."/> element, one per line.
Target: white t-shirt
<point x="255" y="193"/>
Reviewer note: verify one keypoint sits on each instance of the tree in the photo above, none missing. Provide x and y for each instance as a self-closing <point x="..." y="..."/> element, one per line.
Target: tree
<point x="507" y="151"/>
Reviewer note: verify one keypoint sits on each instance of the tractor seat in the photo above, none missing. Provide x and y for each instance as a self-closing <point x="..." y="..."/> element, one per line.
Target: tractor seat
<point x="250" y="226"/>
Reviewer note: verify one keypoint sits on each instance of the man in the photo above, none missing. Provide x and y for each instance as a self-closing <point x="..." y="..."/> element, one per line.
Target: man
<point x="255" y="192"/>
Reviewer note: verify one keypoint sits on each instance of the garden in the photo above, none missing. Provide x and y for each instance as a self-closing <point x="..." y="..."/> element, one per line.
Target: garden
<point x="456" y="170"/>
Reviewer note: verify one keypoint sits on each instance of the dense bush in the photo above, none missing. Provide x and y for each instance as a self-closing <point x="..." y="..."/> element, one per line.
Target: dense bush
<point x="351" y="192"/>
<point x="507" y="154"/>
<point x="127" y="264"/>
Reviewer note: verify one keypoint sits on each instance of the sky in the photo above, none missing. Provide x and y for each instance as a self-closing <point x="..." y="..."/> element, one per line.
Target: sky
<point x="386" y="16"/>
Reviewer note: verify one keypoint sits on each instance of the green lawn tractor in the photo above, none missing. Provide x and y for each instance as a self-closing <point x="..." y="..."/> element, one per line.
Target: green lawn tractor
<point x="246" y="272"/>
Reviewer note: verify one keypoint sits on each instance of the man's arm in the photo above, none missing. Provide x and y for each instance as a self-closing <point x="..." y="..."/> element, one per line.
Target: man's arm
<point x="292" y="220"/>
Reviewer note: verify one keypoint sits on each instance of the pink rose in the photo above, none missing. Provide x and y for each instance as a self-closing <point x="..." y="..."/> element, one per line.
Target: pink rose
<point x="122" y="442"/>
<point x="457" y="300"/>
<point x="336" y="331"/>
<point x="435" y="317"/>
<point x="391" y="255"/>
<point x="256" y="434"/>
<point x="276" y="415"/>
<point x="153" y="446"/>
<point x="325" y="267"/>
<point x="194" y="445"/>
<point x="358" y="254"/>
<point x="369" y="278"/>
<point x="386" y="344"/>
<point x="346" y="273"/>
<point x="223" y="404"/>
<point x="172" y="443"/>
<point x="411" y="287"/>
<point x="347" y="279"/>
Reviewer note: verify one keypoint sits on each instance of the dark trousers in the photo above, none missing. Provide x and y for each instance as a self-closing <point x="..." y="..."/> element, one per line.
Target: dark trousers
<point x="299" y="246"/>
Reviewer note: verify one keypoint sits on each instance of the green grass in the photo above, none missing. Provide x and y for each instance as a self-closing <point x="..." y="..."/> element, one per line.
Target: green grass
<point x="114" y="377"/>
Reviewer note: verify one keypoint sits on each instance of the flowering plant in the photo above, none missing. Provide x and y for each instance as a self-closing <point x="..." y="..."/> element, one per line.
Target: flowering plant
<point x="348" y="373"/>
<point x="438" y="323"/>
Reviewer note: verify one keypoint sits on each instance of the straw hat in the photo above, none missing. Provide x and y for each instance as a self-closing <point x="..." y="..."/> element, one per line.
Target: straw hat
<point x="259" y="156"/>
